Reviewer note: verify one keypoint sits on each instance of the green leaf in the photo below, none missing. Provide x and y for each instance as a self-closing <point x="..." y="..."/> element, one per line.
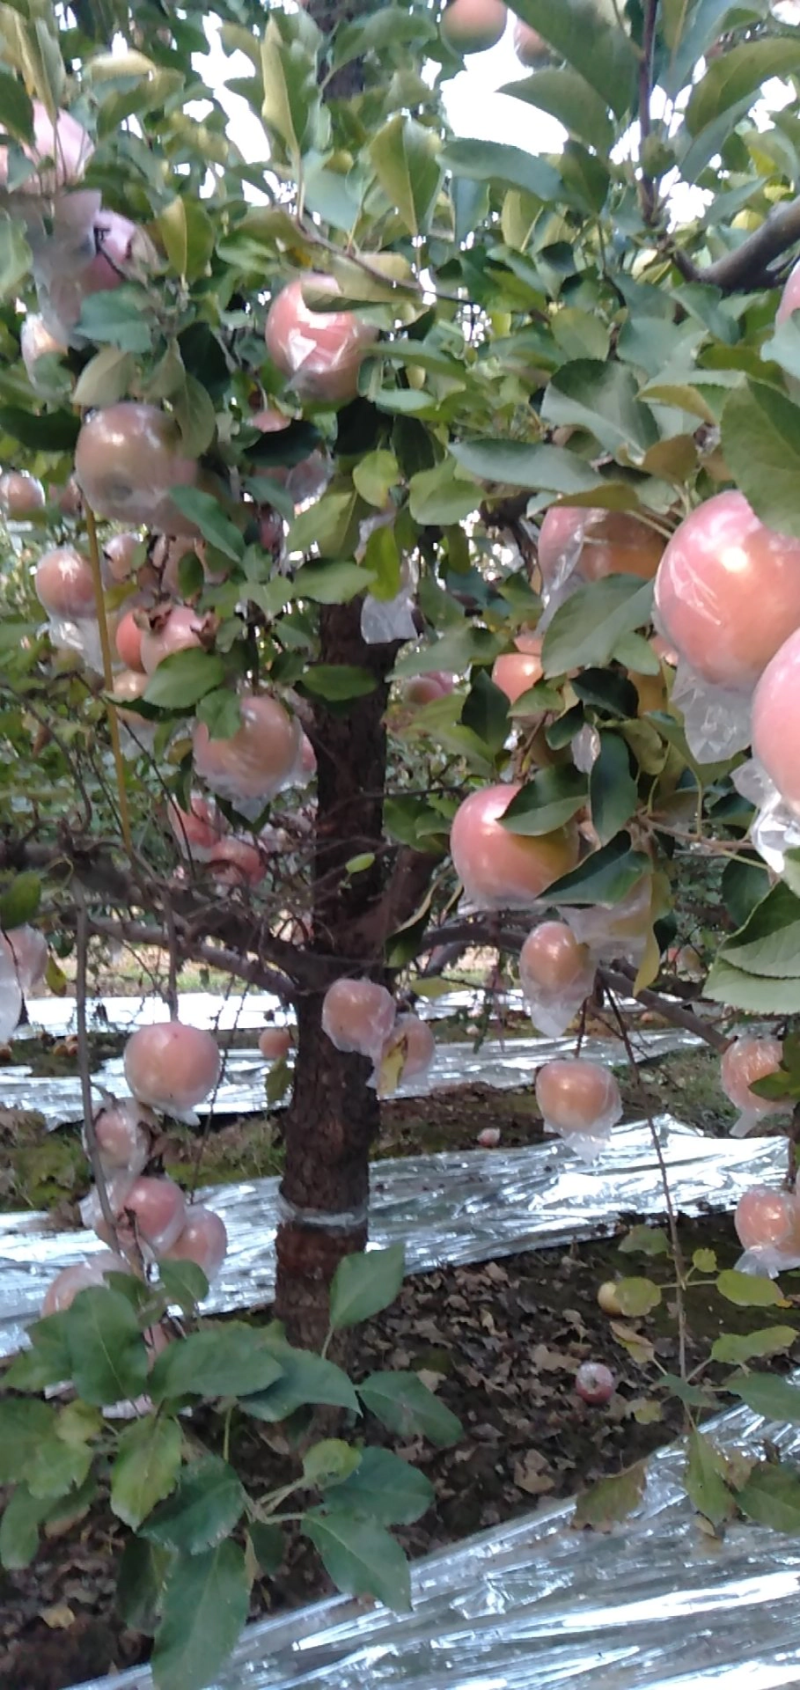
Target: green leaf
<point x="492" y="161"/>
<point x="364" y="1283"/>
<point x="107" y="1352"/>
<point x="185" y="1284"/>
<point x="637" y="1296"/>
<point x="196" y="418"/>
<point x="438" y="496"/>
<point x="748" y="1291"/>
<point x="205" y="1506"/>
<point x="539" y="469"/>
<point x="768" y="942"/>
<point x="15" y="257"/>
<point x="187" y="233"/>
<point x="333" y="582"/>
<point x="404" y="157"/>
<point x="613" y="793"/>
<point x="761" y="445"/>
<point x="105" y="379"/>
<point x="146" y="1466"/>
<point x="220" y="1361"/>
<point x="705" y="1261"/>
<point x="205" y="1604"/>
<point x="16" y="108"/>
<point x="183" y="678"/>
<point x="362" y="1558"/>
<point x="734" y="1347"/>
<point x="646" y="1241"/>
<point x="116" y="315"/>
<point x="20" y="901"/>
<point x="331" y="524"/>
<point x="769" y="1396"/>
<point x="602" y="397"/>
<point x="704" y="1479"/>
<point x="375" y="476"/>
<point x="403" y="1404"/>
<point x="57" y="1467"/>
<point x="46" y="1363"/>
<point x="206" y="513"/>
<point x="568" y="97"/>
<point x="338" y="681"/>
<point x="19" y="1528"/>
<point x="306" y="1379"/>
<point x="290" y="92"/>
<point x="587" y="34"/>
<point x="771" y="1496"/>
<point x="268" y="1545"/>
<point x="738" y="72"/>
<point x="546" y="801"/>
<point x="740" y="990"/>
<point x="385" y="1488"/>
<point x="485" y="711"/>
<point x="604" y="877"/>
<point x="329" y="1462"/>
<point x="611" y="1500"/>
<point x="140" y="1583"/>
<point x="586" y="628"/>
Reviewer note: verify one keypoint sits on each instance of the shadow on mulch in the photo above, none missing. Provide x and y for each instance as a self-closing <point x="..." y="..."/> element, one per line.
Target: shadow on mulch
<point x="500" y="1343"/>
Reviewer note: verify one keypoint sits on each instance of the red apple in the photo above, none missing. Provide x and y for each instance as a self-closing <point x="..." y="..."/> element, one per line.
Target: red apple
<point x="472" y="26"/>
<point x="275" y="1043"/>
<point x="258" y="759"/>
<point x="578" y="1096"/>
<point x="129" y="685"/>
<point x="37" y="342"/>
<point x="530" y="47"/>
<point x="82" y="1276"/>
<point x="419" y="1042"/>
<point x="516" y="671"/>
<point x="118" y="556"/>
<point x="744" y="1061"/>
<point x="551" y="960"/>
<point x="594" y="542"/>
<point x="728" y="591"/>
<point x="594" y="1382"/>
<point x="153" y="1212"/>
<point x="29" y="950"/>
<point x="170" y="1066"/>
<point x="64" y="584"/>
<point x="790" y="298"/>
<point x="178" y="629"/>
<point x="237" y="862"/>
<point x="204" y="1240"/>
<point x="319" y="352"/>
<point x="128" y="641"/>
<point x="198" y="830"/>
<point x="768" y="1218"/>
<point x="128" y="459"/>
<point x="20" y="494"/>
<point x="426" y="689"/>
<point x="122" y="1139"/>
<point x="503" y="870"/>
<point x="358" y="1015"/>
<point x="64" y="143"/>
<point x="774" y="715"/>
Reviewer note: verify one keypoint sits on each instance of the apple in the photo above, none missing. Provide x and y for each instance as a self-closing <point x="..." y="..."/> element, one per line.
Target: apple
<point x="594" y="1382"/>
<point x="593" y="542"/>
<point x="29" y="950"/>
<point x="118" y="556"/>
<point x="128" y="641"/>
<point x="36" y="341"/>
<point x="578" y="1096"/>
<point x="259" y="758"/>
<point x="488" y="1138"/>
<point x="774" y="706"/>
<point x="728" y="591"/>
<point x="790" y="298"/>
<point x="170" y="1066"/>
<point x="358" y="1015"/>
<point x="152" y="1212"/>
<point x="516" y="671"/>
<point x="177" y="628"/>
<point x="746" y="1060"/>
<point x="767" y="1217"/>
<point x="64" y="584"/>
<point x="275" y="1043"/>
<point x="129" y="685"/>
<point x="20" y="494"/>
<point x="237" y="862"/>
<point x="128" y="459"/>
<point x="67" y="497"/>
<point x="420" y="1045"/>
<point x="425" y="689"/>
<point x="530" y="47"/>
<point x="503" y="870"/>
<point x="112" y="248"/>
<point x="608" y="1298"/>
<point x="64" y="143"/>
<point x="123" y="1143"/>
<point x="472" y="26"/>
<point x="204" y="1240"/>
<point x="319" y="352"/>
<point x="82" y="1276"/>
<point x="199" y="830"/>
<point x="551" y="960"/>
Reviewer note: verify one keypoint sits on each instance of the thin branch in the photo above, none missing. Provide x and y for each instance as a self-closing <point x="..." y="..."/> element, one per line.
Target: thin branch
<point x="647" y="188"/>
<point x="748" y="266"/>
<point x="84" y="1068"/>
<point x="673" y="1012"/>
<point x="108" y="678"/>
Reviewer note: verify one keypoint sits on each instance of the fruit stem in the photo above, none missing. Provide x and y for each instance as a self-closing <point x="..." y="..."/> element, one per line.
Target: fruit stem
<point x="108" y="678"/>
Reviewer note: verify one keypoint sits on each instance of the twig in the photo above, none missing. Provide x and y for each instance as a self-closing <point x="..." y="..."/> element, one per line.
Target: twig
<point x="108" y="678"/>
<point x="84" y="1067"/>
<point x="673" y="1012"/>
<point x="748" y="266"/>
<point x="647" y="189"/>
<point x="677" y="1252"/>
<point x="171" y="990"/>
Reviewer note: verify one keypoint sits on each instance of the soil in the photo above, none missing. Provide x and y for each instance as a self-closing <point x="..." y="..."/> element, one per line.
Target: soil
<point x="500" y="1343"/>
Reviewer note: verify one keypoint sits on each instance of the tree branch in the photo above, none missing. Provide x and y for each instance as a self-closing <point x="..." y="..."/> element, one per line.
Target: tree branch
<point x="672" y="1012"/>
<point x="748" y="266"/>
<point x="647" y="188"/>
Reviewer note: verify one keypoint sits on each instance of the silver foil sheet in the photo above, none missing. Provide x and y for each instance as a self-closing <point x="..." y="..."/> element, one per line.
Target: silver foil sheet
<point x="651" y="1605"/>
<point x="447" y="1208"/>
<point x="504" y="1063"/>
